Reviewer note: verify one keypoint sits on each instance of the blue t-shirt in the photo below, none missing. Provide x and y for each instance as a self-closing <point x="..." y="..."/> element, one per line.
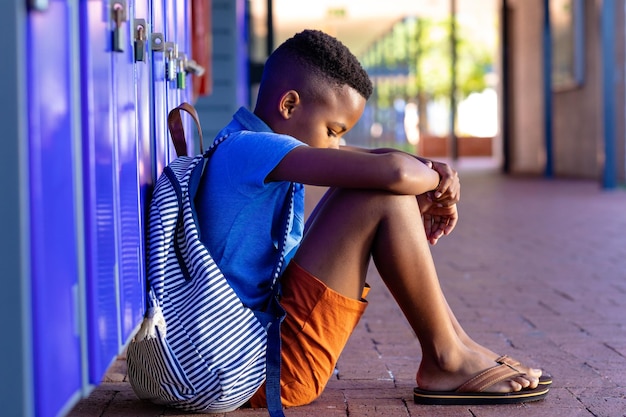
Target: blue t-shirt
<point x="240" y="216"/>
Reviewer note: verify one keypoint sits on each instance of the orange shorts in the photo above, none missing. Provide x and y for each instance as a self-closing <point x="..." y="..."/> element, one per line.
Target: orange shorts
<point x="317" y="326"/>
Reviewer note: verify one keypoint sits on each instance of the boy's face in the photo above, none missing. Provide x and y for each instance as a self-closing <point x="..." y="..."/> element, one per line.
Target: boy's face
<point x="321" y="123"/>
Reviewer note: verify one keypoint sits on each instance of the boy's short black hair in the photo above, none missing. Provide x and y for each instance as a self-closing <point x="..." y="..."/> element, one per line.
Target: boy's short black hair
<point x="324" y="56"/>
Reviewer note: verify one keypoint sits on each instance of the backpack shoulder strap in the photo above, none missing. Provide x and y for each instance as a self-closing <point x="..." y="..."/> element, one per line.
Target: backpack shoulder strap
<point x="177" y="131"/>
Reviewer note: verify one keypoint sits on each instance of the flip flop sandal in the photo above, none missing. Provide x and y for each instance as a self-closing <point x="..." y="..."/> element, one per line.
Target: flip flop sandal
<point x="544" y="379"/>
<point x="472" y="392"/>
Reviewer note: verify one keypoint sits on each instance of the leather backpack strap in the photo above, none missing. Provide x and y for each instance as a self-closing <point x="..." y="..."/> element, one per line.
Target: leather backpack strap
<point x="177" y="131"/>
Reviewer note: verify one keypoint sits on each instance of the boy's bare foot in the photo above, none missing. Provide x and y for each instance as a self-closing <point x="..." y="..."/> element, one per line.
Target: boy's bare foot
<point x="455" y="369"/>
<point x="532" y="375"/>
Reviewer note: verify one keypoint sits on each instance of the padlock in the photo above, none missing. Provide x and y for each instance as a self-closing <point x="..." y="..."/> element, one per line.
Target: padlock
<point x="38" y="5"/>
<point x="192" y="67"/>
<point x="171" y="51"/>
<point x="181" y="74"/>
<point x="119" y="15"/>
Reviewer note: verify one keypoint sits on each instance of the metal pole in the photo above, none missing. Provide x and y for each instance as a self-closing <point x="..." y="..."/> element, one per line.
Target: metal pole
<point x="506" y="88"/>
<point x="453" y="139"/>
<point x="607" y="28"/>
<point x="270" y="27"/>
<point x="547" y="88"/>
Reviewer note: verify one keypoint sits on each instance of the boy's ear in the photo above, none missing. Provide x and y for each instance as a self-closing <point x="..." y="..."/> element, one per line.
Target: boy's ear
<point x="288" y="103"/>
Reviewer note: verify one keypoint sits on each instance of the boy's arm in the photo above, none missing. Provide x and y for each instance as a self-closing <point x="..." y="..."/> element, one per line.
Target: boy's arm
<point x="447" y="193"/>
<point x="395" y="172"/>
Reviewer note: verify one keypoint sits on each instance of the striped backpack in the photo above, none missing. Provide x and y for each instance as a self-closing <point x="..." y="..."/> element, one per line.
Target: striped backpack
<point x="199" y="348"/>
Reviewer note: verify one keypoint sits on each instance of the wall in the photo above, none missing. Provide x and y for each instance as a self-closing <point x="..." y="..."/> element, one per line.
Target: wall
<point x="577" y="135"/>
<point x="578" y="126"/>
<point x="15" y="397"/>
<point x="526" y="93"/>
<point x="620" y="88"/>
<point x="230" y="68"/>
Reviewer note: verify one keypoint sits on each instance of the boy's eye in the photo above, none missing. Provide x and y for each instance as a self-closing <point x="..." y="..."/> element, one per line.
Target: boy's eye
<point x="331" y="133"/>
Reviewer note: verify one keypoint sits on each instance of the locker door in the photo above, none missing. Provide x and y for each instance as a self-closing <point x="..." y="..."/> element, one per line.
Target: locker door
<point x="159" y="95"/>
<point x="171" y="29"/>
<point x="183" y="38"/>
<point x="177" y="26"/>
<point x="100" y="183"/>
<point x="128" y="231"/>
<point x="145" y="131"/>
<point x="145" y="106"/>
<point x="53" y="219"/>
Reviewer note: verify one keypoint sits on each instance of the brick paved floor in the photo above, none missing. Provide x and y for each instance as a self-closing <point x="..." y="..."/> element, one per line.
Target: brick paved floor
<point x="535" y="269"/>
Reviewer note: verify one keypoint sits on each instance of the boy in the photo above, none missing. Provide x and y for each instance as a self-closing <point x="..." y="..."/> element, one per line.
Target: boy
<point x="382" y="204"/>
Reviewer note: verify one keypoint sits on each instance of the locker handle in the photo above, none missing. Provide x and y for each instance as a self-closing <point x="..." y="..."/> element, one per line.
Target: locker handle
<point x="118" y="14"/>
<point x="140" y="40"/>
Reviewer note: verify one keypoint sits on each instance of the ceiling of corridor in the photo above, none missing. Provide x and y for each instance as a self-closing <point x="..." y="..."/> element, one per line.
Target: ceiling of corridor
<point x="358" y="23"/>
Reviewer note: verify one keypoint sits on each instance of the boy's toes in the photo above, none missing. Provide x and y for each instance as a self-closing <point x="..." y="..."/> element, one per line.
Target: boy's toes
<point x="510" y="385"/>
<point x="533" y="376"/>
<point x="515" y="386"/>
<point x="527" y="382"/>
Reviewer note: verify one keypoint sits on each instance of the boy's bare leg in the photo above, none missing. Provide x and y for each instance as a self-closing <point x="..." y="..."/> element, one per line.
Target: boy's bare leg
<point x="350" y="225"/>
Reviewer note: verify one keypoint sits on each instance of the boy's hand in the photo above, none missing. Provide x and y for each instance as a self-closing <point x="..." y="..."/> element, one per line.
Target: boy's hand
<point x="448" y="192"/>
<point x="439" y="221"/>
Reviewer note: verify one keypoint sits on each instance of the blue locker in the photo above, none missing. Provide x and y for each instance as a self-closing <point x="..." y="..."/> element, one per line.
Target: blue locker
<point x="116" y="135"/>
<point x="145" y="106"/>
<point x="166" y="16"/>
<point x="176" y="28"/>
<point x="128" y="227"/>
<point x="145" y="132"/>
<point x="173" y="95"/>
<point x="159" y="93"/>
<point x="183" y="38"/>
<point x="99" y="187"/>
<point x="114" y="243"/>
<point x="53" y="218"/>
